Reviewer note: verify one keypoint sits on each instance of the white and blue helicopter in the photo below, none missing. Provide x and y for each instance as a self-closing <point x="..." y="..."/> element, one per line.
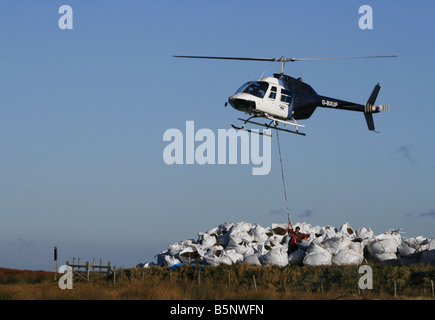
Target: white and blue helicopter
<point x="284" y="99"/>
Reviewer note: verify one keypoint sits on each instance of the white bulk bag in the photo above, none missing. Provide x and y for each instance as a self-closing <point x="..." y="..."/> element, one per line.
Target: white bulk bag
<point x="428" y="255"/>
<point x="216" y="261"/>
<point x="357" y="246"/>
<point x="347" y="231"/>
<point x="335" y="244"/>
<point x="317" y="259"/>
<point x="316" y="230"/>
<point x="296" y="257"/>
<point x="276" y="256"/>
<point x="214" y="231"/>
<point x="317" y="255"/>
<point x="316" y="247"/>
<point x="191" y="254"/>
<point x="234" y="256"/>
<point x="278" y="238"/>
<point x="225" y="227"/>
<point x="430" y="244"/>
<point x="241" y="227"/>
<point x="240" y="246"/>
<point x="304" y="244"/>
<point x="258" y="234"/>
<point x="364" y="233"/>
<point x="224" y="233"/>
<point x="236" y="230"/>
<point x="271" y="243"/>
<point x="170" y="261"/>
<point x="347" y="257"/>
<point x="385" y="243"/>
<point x="149" y="264"/>
<point x="249" y="250"/>
<point x="330" y="231"/>
<point x="385" y="257"/>
<point x="425" y="244"/>
<point x="223" y="238"/>
<point x="206" y="240"/>
<point x="175" y="248"/>
<point x="252" y="260"/>
<point x="408" y="247"/>
<point x="215" y="256"/>
<point x="161" y="258"/>
<point x="215" y="250"/>
<point x="285" y="240"/>
<point x="259" y="248"/>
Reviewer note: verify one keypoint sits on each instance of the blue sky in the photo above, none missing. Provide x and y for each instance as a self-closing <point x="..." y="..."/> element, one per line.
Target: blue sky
<point x="83" y="112"/>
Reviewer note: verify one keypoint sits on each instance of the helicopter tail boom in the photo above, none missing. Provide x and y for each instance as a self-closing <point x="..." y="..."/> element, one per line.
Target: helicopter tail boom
<point x="368" y="109"/>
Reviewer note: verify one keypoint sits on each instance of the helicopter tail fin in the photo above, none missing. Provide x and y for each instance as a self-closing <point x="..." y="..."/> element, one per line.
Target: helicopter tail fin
<point x="370" y="122"/>
<point x="370" y="108"/>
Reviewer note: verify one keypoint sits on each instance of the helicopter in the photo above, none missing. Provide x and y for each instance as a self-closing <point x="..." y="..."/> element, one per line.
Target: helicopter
<point x="284" y="99"/>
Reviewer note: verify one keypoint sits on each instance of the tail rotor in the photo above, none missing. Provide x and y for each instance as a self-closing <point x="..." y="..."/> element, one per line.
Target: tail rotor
<point x="369" y="108"/>
<point x="384" y="107"/>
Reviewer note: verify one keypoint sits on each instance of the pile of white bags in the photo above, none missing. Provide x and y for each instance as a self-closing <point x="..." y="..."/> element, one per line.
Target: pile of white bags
<point x="232" y="243"/>
<point x="383" y="247"/>
<point x="417" y="250"/>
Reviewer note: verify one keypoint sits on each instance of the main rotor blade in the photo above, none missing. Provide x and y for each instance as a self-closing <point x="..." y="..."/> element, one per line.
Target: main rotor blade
<point x="332" y="58"/>
<point x="283" y="59"/>
<point x="227" y="58"/>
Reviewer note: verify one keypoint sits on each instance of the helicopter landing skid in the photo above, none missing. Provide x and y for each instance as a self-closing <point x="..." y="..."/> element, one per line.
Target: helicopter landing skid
<point x="248" y="130"/>
<point x="264" y="125"/>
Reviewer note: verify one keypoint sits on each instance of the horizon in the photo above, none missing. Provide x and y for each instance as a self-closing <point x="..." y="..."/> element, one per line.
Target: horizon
<point x="84" y="112"/>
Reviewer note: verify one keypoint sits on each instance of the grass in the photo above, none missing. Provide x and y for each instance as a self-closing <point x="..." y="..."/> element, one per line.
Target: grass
<point x="236" y="282"/>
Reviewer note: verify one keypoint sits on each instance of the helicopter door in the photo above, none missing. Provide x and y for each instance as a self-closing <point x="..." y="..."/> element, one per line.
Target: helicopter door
<point x="284" y="103"/>
<point x="274" y="105"/>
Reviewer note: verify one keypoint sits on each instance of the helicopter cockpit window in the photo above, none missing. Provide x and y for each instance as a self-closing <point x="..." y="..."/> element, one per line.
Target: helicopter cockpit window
<point x="257" y="88"/>
<point x="272" y="94"/>
<point x="243" y="87"/>
<point x="286" y="96"/>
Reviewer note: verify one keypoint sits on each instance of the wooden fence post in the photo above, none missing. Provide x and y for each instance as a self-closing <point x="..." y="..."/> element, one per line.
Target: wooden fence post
<point x="255" y="283"/>
<point x="433" y="295"/>
<point x="87" y="270"/>
<point x="55" y="263"/>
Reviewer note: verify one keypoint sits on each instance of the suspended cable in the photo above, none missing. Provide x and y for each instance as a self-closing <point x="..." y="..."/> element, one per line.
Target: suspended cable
<point x="283" y="180"/>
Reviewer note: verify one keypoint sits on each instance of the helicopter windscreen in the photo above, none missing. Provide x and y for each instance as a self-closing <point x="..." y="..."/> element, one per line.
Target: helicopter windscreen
<point x="243" y="87"/>
<point x="256" y="88"/>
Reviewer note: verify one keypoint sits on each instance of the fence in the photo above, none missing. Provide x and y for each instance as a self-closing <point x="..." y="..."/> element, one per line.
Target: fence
<point x="85" y="271"/>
